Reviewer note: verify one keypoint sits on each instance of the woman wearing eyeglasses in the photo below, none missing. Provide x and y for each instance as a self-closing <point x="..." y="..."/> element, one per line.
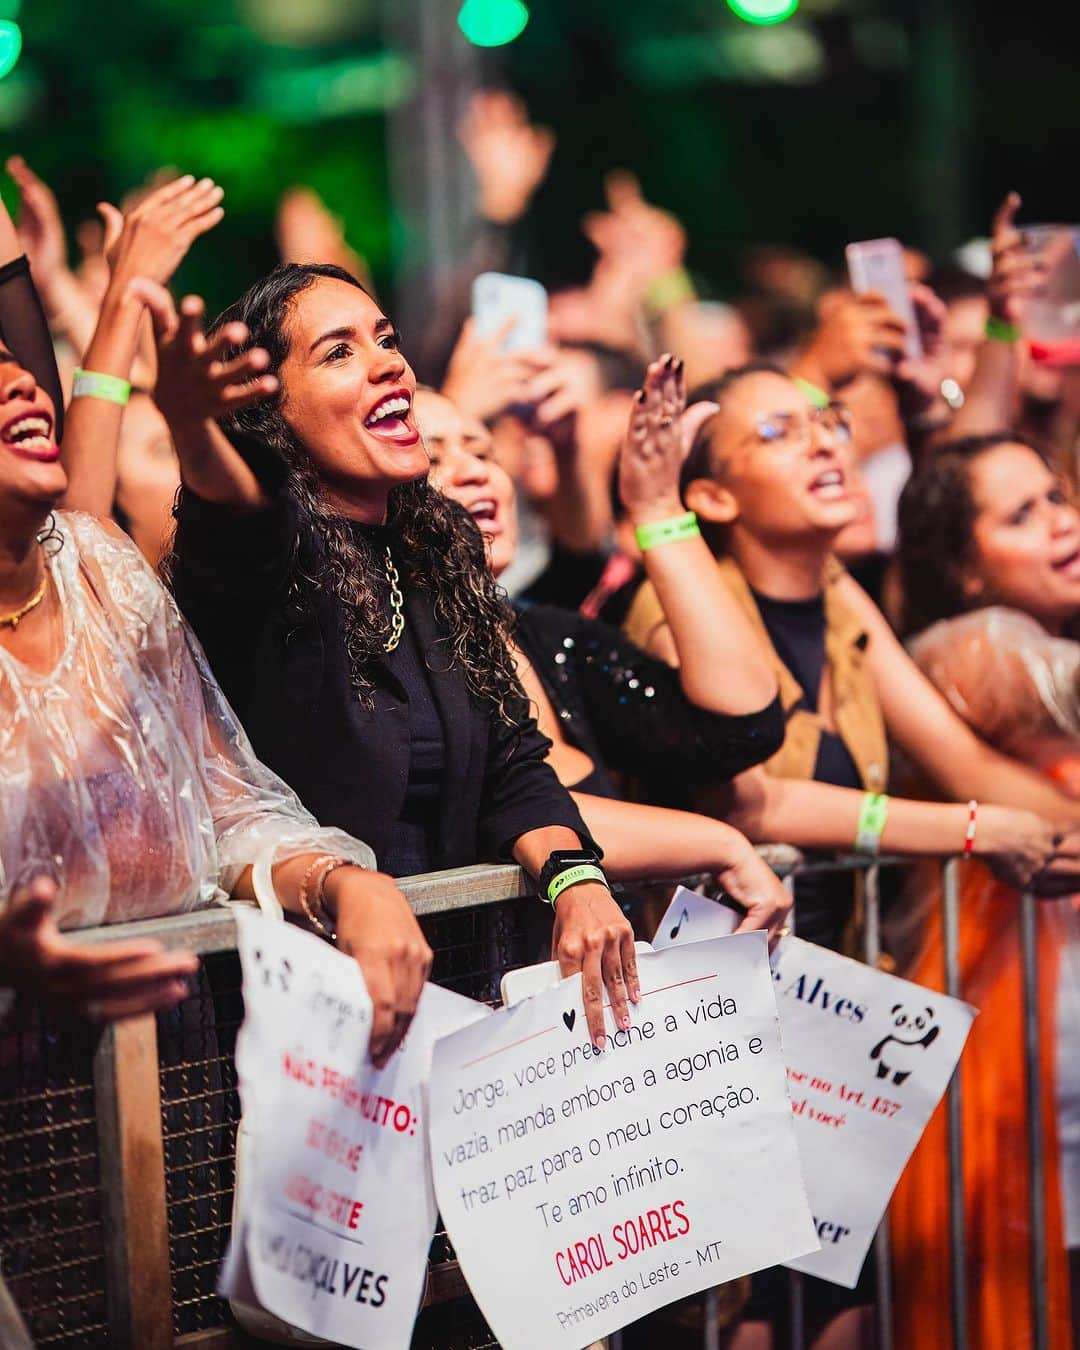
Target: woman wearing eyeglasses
<point x="770" y="476"/>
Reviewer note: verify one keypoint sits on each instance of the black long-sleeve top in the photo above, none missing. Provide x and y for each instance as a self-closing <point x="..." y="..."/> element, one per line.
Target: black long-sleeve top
<point x="24" y="332"/>
<point x="627" y="711"/>
<point x="274" y="642"/>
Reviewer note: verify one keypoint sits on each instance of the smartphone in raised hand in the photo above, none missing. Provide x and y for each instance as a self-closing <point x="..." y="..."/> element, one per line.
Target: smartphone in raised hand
<point x="878" y="265"/>
<point x="499" y="300"/>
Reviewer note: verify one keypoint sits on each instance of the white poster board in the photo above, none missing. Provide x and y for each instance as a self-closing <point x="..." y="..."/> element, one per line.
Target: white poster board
<point x="584" y="1189"/>
<point x="338" y="1211"/>
<point x="693" y="918"/>
<point x="869" y="1057"/>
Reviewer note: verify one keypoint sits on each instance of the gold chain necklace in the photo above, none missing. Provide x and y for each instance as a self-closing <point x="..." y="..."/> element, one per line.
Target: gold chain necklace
<point x="397" y="617"/>
<point x="13" y="619"/>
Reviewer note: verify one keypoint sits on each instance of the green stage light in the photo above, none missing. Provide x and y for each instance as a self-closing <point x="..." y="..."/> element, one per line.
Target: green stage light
<point x="10" y="45"/>
<point x="763" y="11"/>
<point x="492" y="23"/>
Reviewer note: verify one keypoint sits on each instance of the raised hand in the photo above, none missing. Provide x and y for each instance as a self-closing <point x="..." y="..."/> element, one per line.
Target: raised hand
<point x="636" y="241"/>
<point x="509" y="156"/>
<point x="565" y="383"/>
<point x="40" y="228"/>
<point x="482" y="379"/>
<point x="106" y="982"/>
<point x="856" y="334"/>
<point x="923" y="377"/>
<point x="198" y="381"/>
<point x="153" y="238"/>
<point x="653" y="450"/>
<point x="1016" y="275"/>
<point x="308" y="232"/>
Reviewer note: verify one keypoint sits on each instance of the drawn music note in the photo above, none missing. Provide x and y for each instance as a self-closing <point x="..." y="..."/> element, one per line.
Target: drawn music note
<point x="683" y="918"/>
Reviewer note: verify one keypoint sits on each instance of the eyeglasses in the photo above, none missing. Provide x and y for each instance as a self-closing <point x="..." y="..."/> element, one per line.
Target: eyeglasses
<point x="795" y="431"/>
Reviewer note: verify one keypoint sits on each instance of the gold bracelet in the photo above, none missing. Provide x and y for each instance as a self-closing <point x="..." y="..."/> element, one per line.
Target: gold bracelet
<point x="327" y="861"/>
<point x="320" y="889"/>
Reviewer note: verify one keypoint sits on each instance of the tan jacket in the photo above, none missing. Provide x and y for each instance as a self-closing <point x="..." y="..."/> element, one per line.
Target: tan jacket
<point x="856" y="709"/>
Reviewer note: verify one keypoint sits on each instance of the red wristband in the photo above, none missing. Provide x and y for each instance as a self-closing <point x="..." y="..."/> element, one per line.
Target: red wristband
<point x="973" y="820"/>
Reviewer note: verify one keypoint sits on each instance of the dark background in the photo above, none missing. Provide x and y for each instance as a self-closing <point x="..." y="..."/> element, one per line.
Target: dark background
<point x="853" y="119"/>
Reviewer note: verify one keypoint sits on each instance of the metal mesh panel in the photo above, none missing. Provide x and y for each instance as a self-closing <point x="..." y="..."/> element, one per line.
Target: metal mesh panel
<point x="475" y="947"/>
<point x="454" y="1325"/>
<point x="52" y="1242"/>
<point x="200" y="1109"/>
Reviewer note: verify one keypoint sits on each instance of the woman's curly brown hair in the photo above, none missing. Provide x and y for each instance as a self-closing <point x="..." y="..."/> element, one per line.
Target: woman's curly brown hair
<point x="441" y="548"/>
<point x="936" y="520"/>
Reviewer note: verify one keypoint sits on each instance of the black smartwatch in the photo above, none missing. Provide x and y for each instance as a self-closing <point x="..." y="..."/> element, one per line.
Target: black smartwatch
<point x="567" y="867"/>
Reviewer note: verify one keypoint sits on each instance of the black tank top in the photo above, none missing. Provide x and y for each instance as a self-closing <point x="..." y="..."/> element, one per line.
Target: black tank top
<point x="823" y="904"/>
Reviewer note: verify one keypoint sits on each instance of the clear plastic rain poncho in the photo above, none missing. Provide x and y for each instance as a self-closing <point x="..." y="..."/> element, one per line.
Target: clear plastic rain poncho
<point x="1019" y="688"/>
<point x="1005" y="676"/>
<point x="124" y="773"/>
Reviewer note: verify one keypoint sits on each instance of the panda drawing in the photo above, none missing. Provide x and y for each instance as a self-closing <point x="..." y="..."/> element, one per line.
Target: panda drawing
<point x="899" y="1052"/>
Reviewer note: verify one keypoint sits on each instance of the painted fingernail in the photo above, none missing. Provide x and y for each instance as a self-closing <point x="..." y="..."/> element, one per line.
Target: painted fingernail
<point x="624" y="1021"/>
<point x="601" y="1042"/>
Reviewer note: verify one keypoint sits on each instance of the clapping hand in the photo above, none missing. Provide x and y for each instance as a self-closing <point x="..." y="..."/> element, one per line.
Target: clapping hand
<point x="153" y="238"/>
<point x="198" y="381"/>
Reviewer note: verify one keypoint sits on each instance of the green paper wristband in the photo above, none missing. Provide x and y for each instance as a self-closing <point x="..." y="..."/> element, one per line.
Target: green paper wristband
<point x="92" y="384"/>
<point x="667" y="290"/>
<point x="1000" y="330"/>
<point x="667" y="531"/>
<point x="818" y="397"/>
<point x="872" y="817"/>
<point x="571" y="877"/>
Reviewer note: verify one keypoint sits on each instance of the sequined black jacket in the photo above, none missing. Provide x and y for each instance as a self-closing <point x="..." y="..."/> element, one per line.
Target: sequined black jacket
<point x="627" y="711"/>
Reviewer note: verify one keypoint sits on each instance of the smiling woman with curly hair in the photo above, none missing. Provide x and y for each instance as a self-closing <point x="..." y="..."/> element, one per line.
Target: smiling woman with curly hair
<point x="347" y="609"/>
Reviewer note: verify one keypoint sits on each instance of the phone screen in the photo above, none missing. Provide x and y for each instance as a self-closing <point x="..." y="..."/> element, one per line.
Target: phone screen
<point x="499" y="300"/>
<point x="878" y="265"/>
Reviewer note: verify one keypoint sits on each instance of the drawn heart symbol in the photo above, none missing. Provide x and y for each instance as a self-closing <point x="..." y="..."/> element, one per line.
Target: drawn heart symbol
<point x="569" y="1018"/>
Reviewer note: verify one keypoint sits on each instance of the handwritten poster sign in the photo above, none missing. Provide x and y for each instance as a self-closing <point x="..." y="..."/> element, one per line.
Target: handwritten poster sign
<point x="869" y="1057"/>
<point x="583" y="1189"/>
<point x="338" y="1209"/>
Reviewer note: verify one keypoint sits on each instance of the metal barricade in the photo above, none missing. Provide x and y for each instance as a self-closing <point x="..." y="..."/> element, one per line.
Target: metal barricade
<point x="116" y="1144"/>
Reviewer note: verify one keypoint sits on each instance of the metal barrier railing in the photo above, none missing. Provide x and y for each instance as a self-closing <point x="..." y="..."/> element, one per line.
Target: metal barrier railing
<point x="116" y="1145"/>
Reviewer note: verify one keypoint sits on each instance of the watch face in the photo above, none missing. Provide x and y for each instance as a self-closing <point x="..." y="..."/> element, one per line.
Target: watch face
<point x="563" y="858"/>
